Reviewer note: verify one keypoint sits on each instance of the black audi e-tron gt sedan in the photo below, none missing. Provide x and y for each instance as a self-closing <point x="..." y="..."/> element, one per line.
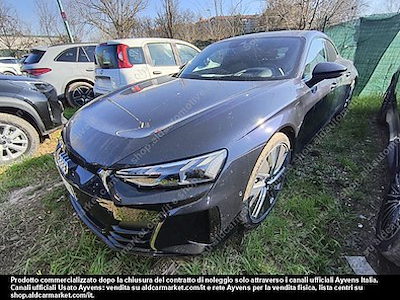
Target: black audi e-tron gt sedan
<point x="168" y="166"/>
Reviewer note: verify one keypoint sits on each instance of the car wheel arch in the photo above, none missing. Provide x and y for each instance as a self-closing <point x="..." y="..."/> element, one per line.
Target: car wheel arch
<point x="291" y="133"/>
<point x="75" y="81"/>
<point x="27" y="116"/>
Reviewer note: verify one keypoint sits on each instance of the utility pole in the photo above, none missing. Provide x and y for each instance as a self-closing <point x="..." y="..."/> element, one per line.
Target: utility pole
<point x="64" y="17"/>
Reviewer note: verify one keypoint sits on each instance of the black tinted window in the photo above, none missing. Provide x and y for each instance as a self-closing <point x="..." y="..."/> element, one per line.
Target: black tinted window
<point x="86" y="54"/>
<point x="68" y="55"/>
<point x="34" y="57"/>
<point x="135" y="56"/>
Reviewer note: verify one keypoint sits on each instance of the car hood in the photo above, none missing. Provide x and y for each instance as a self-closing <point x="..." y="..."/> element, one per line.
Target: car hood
<point x="136" y="118"/>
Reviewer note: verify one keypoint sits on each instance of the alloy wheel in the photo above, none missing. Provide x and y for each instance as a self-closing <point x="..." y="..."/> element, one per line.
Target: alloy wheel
<point x="268" y="182"/>
<point x="13" y="142"/>
<point x="82" y="95"/>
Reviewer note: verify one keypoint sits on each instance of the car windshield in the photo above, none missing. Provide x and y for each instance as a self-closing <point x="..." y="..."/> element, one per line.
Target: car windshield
<point x="265" y="58"/>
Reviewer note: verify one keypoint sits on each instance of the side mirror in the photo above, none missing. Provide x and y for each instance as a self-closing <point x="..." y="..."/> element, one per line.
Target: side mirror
<point x="326" y="70"/>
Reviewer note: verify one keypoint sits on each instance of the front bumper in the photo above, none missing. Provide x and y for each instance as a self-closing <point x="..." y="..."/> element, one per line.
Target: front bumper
<point x="170" y="227"/>
<point x="51" y="112"/>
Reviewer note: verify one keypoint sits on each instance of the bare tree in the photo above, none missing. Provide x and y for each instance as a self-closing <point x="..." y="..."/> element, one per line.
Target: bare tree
<point x="10" y="27"/>
<point x="51" y="24"/>
<point x="167" y="18"/>
<point x="227" y="20"/>
<point x="172" y="22"/>
<point x="114" y="18"/>
<point x="310" y="14"/>
<point x="393" y="6"/>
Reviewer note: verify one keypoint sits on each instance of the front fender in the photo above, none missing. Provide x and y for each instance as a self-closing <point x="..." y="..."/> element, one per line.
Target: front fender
<point x="23" y="110"/>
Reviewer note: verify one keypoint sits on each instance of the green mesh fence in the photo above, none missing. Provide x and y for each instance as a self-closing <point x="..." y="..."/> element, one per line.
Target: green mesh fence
<point x="373" y="43"/>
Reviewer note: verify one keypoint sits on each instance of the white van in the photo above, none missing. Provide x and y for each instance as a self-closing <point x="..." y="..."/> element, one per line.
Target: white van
<point x="126" y="61"/>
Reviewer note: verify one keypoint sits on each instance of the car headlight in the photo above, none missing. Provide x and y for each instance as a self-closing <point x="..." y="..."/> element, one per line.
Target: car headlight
<point x="39" y="86"/>
<point x="196" y="170"/>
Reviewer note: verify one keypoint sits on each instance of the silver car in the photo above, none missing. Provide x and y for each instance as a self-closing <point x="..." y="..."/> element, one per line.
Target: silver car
<point x="69" y="68"/>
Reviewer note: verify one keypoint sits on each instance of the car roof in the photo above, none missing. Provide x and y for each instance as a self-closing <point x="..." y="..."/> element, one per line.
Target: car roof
<point x="307" y="34"/>
<point x="141" y="41"/>
<point x="45" y="48"/>
<point x="7" y="57"/>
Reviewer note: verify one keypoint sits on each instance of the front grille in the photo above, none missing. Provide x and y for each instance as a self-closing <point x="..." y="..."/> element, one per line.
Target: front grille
<point x="121" y="235"/>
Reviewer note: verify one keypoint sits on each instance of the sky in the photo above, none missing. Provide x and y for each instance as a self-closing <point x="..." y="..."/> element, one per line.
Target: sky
<point x="26" y="8"/>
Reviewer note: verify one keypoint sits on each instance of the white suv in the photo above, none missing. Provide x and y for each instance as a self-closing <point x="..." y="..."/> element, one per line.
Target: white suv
<point x="126" y="61"/>
<point x="69" y="68"/>
<point x="10" y="66"/>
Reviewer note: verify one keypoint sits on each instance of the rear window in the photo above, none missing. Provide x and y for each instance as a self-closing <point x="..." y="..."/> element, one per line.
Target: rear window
<point x="86" y="54"/>
<point x="34" y="57"/>
<point x="106" y="56"/>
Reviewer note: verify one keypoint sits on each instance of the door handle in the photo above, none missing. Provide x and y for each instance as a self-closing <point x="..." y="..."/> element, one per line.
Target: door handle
<point x="348" y="74"/>
<point x="89" y="70"/>
<point x="333" y="86"/>
<point x="157" y="72"/>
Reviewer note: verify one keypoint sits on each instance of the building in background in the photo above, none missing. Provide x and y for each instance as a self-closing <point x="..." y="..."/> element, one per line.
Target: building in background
<point x="21" y="44"/>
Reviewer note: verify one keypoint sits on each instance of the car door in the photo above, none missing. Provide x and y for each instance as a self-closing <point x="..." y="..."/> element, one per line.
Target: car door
<point x="162" y="60"/>
<point x="65" y="68"/>
<point x="339" y="87"/>
<point x="319" y="99"/>
<point x="85" y="61"/>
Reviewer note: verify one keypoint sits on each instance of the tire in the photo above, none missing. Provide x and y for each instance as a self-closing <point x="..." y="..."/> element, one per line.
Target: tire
<point x="248" y="216"/>
<point x="79" y="93"/>
<point x="388" y="224"/>
<point x="18" y="139"/>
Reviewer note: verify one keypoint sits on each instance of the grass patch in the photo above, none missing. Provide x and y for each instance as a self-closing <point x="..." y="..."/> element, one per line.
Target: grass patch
<point x="69" y="112"/>
<point x="26" y="173"/>
<point x="308" y="232"/>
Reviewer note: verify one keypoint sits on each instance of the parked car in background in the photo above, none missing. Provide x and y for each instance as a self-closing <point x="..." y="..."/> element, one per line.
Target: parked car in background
<point x="69" y="68"/>
<point x="177" y="161"/>
<point x="10" y="66"/>
<point x="126" y="61"/>
<point x="29" y="112"/>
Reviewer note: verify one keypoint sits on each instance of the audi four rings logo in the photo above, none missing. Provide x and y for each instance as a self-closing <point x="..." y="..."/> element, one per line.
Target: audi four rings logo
<point x="63" y="162"/>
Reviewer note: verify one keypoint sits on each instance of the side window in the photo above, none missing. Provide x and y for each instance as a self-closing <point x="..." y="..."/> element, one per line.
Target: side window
<point x="161" y="54"/>
<point x="86" y="54"/>
<point x="316" y="55"/>
<point x="185" y="53"/>
<point x="136" y="56"/>
<point x="68" y="55"/>
<point x="331" y="51"/>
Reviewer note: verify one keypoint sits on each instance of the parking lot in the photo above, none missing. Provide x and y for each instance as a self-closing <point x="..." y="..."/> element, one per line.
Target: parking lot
<point x="216" y="143"/>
